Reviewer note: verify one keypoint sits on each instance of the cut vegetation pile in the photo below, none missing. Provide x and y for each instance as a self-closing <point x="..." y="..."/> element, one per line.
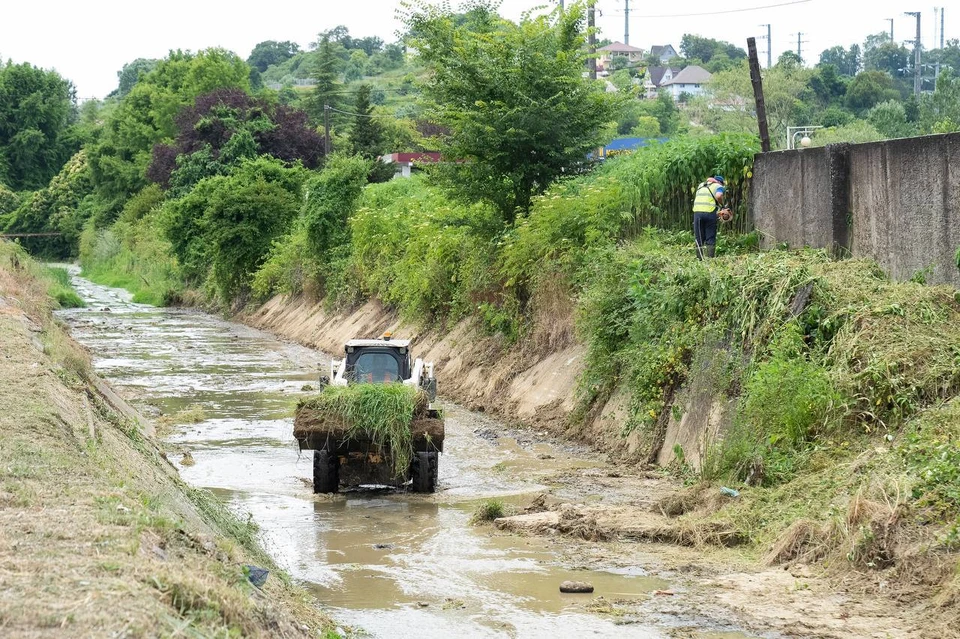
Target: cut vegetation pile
<point x="390" y="416"/>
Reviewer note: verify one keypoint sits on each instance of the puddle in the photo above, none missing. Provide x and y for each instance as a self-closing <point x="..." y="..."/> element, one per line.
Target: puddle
<point x="388" y="563"/>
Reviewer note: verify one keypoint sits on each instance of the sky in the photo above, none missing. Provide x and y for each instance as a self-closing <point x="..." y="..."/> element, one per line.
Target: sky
<point x="88" y="42"/>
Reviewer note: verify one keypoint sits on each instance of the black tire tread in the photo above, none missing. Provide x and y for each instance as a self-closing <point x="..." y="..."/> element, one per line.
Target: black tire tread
<point x="423" y="472"/>
<point x="326" y="471"/>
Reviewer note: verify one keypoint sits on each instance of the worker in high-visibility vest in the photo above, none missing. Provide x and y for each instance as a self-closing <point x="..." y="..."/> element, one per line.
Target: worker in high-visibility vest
<point x="706" y="205"/>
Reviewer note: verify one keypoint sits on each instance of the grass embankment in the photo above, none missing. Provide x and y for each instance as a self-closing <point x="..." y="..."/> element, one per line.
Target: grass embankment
<point x="838" y="390"/>
<point x="98" y="535"/>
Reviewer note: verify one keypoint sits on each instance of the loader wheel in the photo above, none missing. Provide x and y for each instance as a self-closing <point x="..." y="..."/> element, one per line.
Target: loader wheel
<point x="423" y="472"/>
<point x="326" y="471"/>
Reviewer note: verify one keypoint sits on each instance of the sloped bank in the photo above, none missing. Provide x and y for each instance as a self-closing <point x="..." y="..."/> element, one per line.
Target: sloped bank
<point x="98" y="534"/>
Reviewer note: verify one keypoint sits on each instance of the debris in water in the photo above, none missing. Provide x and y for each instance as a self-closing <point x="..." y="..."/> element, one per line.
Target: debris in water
<point x="663" y="593"/>
<point x="576" y="587"/>
<point x="257" y="576"/>
<point x="383" y="546"/>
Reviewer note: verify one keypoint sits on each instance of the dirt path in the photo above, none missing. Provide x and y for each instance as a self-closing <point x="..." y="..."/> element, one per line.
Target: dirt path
<point x="403" y="565"/>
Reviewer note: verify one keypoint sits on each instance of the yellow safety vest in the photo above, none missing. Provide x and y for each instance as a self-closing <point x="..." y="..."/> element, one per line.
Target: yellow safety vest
<point x="705" y="200"/>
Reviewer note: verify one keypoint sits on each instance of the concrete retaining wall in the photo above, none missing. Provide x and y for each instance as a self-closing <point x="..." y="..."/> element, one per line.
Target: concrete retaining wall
<point x="895" y="202"/>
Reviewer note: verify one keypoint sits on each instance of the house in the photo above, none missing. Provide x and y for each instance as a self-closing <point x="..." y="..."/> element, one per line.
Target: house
<point x="665" y="52"/>
<point x="406" y="163"/>
<point x="655" y="78"/>
<point x="690" y="81"/>
<point x="606" y="55"/>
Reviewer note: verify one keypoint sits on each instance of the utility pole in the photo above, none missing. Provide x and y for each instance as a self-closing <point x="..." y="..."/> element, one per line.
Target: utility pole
<point x="941" y="27"/>
<point x="769" y="45"/>
<point x="591" y="41"/>
<point x="916" y="55"/>
<point x="626" y="21"/>
<point x="890" y="20"/>
<point x="799" y="43"/>
<point x="326" y="129"/>
<point x="757" y="82"/>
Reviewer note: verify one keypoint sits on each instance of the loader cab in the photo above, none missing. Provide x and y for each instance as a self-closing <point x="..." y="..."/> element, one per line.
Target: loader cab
<point x="378" y="361"/>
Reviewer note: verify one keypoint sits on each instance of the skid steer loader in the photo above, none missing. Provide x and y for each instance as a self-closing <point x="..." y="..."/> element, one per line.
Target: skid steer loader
<point x="347" y="456"/>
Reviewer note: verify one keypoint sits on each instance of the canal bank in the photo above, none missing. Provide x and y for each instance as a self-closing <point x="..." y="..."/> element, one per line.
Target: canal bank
<point x="402" y="565"/>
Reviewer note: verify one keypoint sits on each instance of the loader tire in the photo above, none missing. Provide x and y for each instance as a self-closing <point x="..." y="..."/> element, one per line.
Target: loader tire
<point x="326" y="471"/>
<point x="423" y="472"/>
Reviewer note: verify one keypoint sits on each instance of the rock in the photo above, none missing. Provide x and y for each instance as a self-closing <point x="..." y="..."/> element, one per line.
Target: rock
<point x="576" y="586"/>
<point x="530" y="523"/>
<point x="544" y="456"/>
<point x="257" y="576"/>
<point x="105" y="309"/>
<point x="663" y="593"/>
<point x="187" y="459"/>
<point x="423" y="604"/>
<point x="308" y="387"/>
<point x="383" y="546"/>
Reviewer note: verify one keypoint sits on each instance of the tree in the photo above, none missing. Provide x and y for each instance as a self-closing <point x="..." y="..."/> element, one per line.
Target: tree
<point x="331" y="197"/>
<point x="224" y="127"/>
<point x="869" y="89"/>
<point x="325" y="93"/>
<point x="225" y="225"/>
<point x="366" y="136"/>
<point x="889" y="57"/>
<point x="704" y="49"/>
<point x="147" y="116"/>
<point x="647" y="127"/>
<point x="890" y="120"/>
<point x="789" y="60"/>
<point x="827" y="84"/>
<point x="940" y="112"/>
<point x="270" y="52"/>
<point x="37" y="111"/>
<point x="131" y="73"/>
<point x="519" y="111"/>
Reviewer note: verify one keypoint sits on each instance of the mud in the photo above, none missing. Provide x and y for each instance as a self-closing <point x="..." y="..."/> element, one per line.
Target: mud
<point x="395" y="564"/>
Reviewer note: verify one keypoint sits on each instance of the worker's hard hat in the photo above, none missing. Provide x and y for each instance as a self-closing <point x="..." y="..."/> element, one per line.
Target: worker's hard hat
<point x="718" y="178"/>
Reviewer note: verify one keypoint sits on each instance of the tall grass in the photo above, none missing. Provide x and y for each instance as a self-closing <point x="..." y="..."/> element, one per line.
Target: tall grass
<point x="134" y="256"/>
<point x="61" y="288"/>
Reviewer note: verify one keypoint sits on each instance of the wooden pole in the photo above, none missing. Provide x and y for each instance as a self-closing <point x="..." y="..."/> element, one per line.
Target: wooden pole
<point x="757" y="81"/>
<point x="326" y="130"/>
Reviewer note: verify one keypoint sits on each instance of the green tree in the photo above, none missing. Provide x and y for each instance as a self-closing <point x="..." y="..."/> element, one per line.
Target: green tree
<point x="367" y="137"/>
<point x="890" y="120"/>
<point x="270" y="52"/>
<point x="940" y="112"/>
<point x="869" y="89"/>
<point x="828" y="85"/>
<point x="846" y="62"/>
<point x="225" y="225"/>
<point x="519" y="111"/>
<point x="704" y="49"/>
<point x="146" y="116"/>
<point x="327" y="89"/>
<point x="37" y="111"/>
<point x="331" y="197"/>
<point x="889" y="57"/>
<point x="647" y="127"/>
<point x="131" y="73"/>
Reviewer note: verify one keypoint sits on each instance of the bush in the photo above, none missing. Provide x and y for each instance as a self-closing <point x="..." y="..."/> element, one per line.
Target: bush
<point x="61" y="288"/>
<point x="488" y="510"/>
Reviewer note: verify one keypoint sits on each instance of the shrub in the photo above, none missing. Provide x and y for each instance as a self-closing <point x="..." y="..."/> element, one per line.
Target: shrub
<point x="488" y="510"/>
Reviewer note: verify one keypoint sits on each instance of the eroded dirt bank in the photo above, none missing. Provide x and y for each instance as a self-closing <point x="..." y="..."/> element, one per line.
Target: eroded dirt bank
<point x="98" y="535"/>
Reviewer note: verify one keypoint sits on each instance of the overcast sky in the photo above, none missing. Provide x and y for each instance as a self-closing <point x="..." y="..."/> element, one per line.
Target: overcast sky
<point x="89" y="41"/>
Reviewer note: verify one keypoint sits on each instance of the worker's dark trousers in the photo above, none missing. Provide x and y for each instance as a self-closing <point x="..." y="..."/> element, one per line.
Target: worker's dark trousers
<point x="704" y="231"/>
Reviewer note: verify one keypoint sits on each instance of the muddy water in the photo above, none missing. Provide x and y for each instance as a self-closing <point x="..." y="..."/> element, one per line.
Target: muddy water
<point x="392" y="564"/>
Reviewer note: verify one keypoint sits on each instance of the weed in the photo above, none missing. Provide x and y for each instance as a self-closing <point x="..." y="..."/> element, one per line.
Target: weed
<point x="488" y="510"/>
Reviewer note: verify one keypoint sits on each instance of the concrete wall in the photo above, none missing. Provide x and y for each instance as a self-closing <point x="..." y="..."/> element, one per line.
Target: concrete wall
<point x="895" y="202"/>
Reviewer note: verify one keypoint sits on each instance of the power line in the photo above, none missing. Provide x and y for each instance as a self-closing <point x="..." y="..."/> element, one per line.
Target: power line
<point x="713" y="13"/>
